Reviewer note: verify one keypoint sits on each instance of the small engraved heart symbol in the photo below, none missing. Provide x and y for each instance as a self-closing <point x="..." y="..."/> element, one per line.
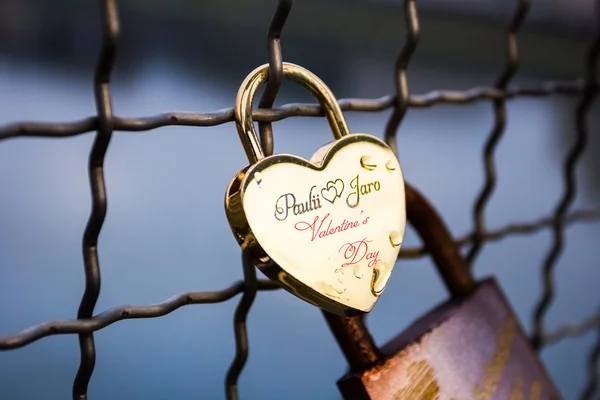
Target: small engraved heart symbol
<point x="332" y="190"/>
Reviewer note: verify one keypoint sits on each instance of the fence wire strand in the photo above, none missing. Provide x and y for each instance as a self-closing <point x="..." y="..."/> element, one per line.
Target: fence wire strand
<point x="570" y="189"/>
<point x="89" y="124"/>
<point x="239" y="327"/>
<point x="110" y="33"/>
<point x="499" y="105"/>
<point x="105" y="123"/>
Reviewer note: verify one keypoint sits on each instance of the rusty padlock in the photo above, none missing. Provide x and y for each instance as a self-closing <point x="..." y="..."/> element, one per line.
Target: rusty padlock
<point x="470" y="347"/>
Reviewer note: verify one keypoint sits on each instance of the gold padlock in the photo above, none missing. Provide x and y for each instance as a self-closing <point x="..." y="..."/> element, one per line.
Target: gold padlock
<point x="329" y="229"/>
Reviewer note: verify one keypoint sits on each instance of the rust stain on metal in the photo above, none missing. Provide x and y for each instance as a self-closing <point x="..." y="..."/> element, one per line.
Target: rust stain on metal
<point x="474" y="346"/>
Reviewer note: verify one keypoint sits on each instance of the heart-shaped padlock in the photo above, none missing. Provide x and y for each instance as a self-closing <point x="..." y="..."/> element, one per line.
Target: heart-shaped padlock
<point x="329" y="229"/>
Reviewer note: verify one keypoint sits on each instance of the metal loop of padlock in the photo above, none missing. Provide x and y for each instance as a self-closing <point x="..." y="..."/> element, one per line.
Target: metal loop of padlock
<point x="293" y="72"/>
<point x="470" y="347"/>
<point x="328" y="229"/>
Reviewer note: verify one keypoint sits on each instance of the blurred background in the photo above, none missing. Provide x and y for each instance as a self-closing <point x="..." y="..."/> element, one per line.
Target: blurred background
<point x="166" y="232"/>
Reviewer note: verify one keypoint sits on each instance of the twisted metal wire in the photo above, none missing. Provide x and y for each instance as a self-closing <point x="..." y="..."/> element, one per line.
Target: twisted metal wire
<point x="570" y="189"/>
<point x="239" y="327"/>
<point x="68" y="129"/>
<point x="275" y="76"/>
<point x="526" y="228"/>
<point x="573" y="330"/>
<point x="110" y="33"/>
<point x="588" y="94"/>
<point x="401" y="102"/>
<point x="122" y="313"/>
<point x="510" y="69"/>
<point x="105" y="123"/>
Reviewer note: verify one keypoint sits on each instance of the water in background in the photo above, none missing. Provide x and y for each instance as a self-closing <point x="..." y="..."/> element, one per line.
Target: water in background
<point x="166" y="233"/>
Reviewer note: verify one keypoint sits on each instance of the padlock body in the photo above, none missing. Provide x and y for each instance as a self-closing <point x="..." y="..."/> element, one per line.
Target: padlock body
<point x="469" y="348"/>
<point x="329" y="229"/>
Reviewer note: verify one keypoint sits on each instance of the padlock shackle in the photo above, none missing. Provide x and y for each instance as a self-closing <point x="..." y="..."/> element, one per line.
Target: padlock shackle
<point x="439" y="243"/>
<point x="293" y="72"/>
<point x="354" y="339"/>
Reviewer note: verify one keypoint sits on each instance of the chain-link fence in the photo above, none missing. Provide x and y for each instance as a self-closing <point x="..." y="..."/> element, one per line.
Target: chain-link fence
<point x="105" y="123"/>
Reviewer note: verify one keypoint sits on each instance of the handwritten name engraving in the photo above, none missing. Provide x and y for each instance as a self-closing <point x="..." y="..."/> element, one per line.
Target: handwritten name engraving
<point x="355" y="252"/>
<point x="316" y="227"/>
<point x="287" y="202"/>
<point x="353" y="198"/>
<point x="493" y="371"/>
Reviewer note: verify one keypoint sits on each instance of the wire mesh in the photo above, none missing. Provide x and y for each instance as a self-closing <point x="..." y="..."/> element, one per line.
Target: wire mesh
<point x="105" y="123"/>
